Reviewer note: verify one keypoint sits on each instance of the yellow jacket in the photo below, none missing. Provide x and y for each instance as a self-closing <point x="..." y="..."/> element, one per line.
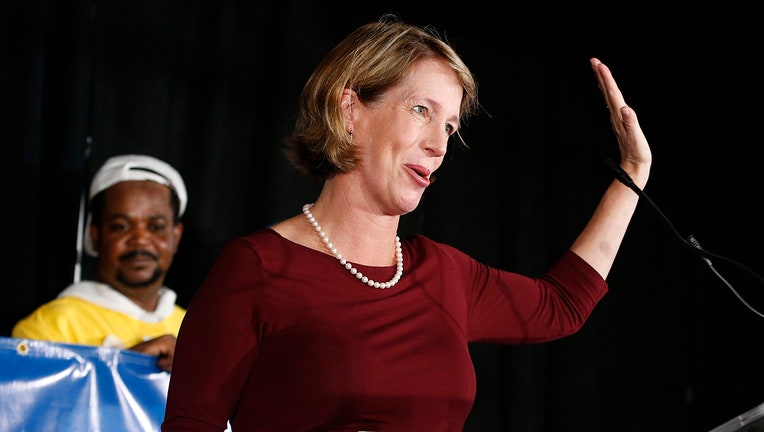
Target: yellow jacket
<point x="92" y="313"/>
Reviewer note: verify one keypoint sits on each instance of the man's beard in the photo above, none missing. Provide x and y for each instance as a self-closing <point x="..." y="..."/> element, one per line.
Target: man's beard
<point x="144" y="283"/>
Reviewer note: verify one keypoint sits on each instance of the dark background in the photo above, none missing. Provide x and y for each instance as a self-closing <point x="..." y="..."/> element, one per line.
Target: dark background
<point x="211" y="87"/>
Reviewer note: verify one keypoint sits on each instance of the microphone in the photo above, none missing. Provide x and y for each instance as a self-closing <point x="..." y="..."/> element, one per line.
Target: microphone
<point x="696" y="244"/>
<point x="691" y="243"/>
<point x="624" y="178"/>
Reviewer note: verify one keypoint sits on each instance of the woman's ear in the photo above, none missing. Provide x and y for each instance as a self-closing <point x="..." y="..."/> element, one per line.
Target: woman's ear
<point x="349" y="97"/>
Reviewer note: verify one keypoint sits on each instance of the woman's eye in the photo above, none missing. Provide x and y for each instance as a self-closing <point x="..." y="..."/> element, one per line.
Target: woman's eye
<point x="450" y="129"/>
<point x="419" y="109"/>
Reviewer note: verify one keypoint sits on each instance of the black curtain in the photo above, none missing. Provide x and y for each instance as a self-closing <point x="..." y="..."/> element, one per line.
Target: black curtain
<point x="211" y="87"/>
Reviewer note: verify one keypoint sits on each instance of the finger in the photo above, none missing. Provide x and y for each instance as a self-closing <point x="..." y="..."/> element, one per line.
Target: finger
<point x="164" y="363"/>
<point x="595" y="62"/>
<point x="613" y="96"/>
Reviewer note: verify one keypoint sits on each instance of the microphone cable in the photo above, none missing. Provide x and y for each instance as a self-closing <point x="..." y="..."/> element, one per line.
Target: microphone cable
<point x="82" y="213"/>
<point x="690" y="243"/>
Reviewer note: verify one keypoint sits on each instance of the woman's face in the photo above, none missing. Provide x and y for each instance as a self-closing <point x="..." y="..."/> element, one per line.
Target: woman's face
<point x="402" y="139"/>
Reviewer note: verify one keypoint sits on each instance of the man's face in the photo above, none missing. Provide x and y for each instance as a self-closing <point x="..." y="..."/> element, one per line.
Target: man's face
<point x="137" y="238"/>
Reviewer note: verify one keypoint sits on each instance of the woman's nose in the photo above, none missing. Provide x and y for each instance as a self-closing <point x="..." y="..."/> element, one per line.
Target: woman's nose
<point x="437" y="143"/>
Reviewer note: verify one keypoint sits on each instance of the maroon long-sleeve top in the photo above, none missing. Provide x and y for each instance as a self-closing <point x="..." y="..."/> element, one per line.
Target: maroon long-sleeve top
<point x="282" y="338"/>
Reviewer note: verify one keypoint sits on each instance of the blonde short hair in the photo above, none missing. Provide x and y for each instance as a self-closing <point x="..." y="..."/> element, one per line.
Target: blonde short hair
<point x="370" y="60"/>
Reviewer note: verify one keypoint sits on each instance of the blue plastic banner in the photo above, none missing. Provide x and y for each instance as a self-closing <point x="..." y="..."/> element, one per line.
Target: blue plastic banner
<point x="46" y="386"/>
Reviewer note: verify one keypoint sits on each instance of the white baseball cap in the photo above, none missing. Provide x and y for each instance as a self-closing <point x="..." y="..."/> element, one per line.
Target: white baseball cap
<point x="133" y="167"/>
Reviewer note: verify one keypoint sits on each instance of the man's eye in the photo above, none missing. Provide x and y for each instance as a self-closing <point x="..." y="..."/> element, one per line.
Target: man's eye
<point x="117" y="227"/>
<point x="419" y="109"/>
<point x="158" y="227"/>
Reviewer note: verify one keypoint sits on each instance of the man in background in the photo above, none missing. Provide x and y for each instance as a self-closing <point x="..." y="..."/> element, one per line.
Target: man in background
<point x="133" y="229"/>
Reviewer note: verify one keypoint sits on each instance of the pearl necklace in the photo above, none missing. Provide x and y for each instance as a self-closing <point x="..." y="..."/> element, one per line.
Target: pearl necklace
<point x="354" y="271"/>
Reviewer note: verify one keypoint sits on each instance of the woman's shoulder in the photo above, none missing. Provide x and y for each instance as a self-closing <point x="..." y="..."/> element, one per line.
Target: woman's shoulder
<point x="259" y="239"/>
<point x="420" y="244"/>
<point x="267" y="243"/>
<point x="423" y="241"/>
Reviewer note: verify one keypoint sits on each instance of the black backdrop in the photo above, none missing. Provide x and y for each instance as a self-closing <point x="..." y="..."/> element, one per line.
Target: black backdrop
<point x="211" y="87"/>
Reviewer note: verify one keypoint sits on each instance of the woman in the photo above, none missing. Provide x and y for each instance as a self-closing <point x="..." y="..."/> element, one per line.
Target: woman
<point x="327" y="321"/>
